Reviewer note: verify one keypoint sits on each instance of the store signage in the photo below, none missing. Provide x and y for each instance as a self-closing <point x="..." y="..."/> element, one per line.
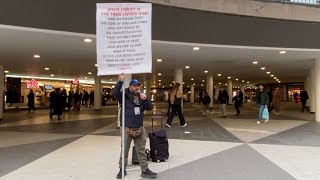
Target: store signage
<point x="76" y="82"/>
<point x="124" y="38"/>
<point x="32" y="84"/>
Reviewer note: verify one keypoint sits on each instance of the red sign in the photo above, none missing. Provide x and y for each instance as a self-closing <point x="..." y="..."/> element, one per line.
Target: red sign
<point x="76" y="81"/>
<point x="32" y="84"/>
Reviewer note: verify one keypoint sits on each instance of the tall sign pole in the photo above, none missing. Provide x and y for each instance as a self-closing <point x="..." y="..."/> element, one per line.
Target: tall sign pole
<point x="124" y="44"/>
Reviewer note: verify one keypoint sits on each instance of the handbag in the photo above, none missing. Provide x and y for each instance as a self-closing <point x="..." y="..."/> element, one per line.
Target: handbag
<point x="265" y="114"/>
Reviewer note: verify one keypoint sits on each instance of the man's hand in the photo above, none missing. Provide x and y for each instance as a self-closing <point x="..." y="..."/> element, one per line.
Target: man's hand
<point x="122" y="77"/>
<point x="143" y="96"/>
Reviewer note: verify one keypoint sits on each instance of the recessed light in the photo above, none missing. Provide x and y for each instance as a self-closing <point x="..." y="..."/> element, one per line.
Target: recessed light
<point x="229" y="77"/>
<point x="86" y="77"/>
<point x="170" y="84"/>
<point x="52" y="75"/>
<point x="159" y="80"/>
<point x="87" y="40"/>
<point x="159" y="74"/>
<point x="255" y="62"/>
<point x="203" y="80"/>
<point x="279" y="81"/>
<point x="162" y="86"/>
<point x="237" y="79"/>
<point x="268" y="72"/>
<point x="282" y="52"/>
<point x="187" y="67"/>
<point x="226" y="84"/>
<point x="36" y="56"/>
<point x="196" y="48"/>
<point x="263" y="68"/>
<point x="183" y="83"/>
<point x="242" y="80"/>
<point x="275" y="78"/>
<point x="219" y="83"/>
<point x="96" y="65"/>
<point x="47" y="69"/>
<point x="159" y="60"/>
<point x="159" y="84"/>
<point x="89" y="72"/>
<point x="206" y="71"/>
<point x="248" y="82"/>
<point x="192" y="79"/>
<point x="6" y="71"/>
<point x="194" y="84"/>
<point x="219" y="74"/>
<point x="272" y="75"/>
<point x="188" y="86"/>
<point x="201" y="84"/>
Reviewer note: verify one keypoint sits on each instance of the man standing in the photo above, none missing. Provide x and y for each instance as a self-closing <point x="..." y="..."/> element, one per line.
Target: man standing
<point x="135" y="105"/>
<point x="304" y="98"/>
<point x="276" y="101"/>
<point x="223" y="99"/>
<point x="237" y="99"/>
<point x="262" y="101"/>
<point x="176" y="99"/>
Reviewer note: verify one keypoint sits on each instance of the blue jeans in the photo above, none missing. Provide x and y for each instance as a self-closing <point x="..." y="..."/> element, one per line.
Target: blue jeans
<point x="262" y="107"/>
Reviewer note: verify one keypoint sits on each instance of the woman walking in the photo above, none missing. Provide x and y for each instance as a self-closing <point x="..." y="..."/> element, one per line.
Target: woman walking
<point x="31" y="101"/>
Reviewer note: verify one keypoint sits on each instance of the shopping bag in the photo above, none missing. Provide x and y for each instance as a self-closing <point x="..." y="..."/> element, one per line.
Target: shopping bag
<point x="265" y="114"/>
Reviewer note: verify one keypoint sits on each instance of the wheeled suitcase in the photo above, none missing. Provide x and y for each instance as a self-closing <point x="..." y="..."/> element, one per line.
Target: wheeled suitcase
<point x="159" y="145"/>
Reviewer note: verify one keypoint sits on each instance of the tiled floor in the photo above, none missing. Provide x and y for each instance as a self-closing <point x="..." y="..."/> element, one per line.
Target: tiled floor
<point x="86" y="146"/>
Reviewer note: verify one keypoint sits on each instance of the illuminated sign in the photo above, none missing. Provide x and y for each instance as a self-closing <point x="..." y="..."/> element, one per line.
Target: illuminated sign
<point x="76" y="81"/>
<point x="32" y="84"/>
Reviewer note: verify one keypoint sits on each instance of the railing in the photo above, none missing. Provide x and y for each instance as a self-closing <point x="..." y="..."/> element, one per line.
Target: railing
<point x="306" y="2"/>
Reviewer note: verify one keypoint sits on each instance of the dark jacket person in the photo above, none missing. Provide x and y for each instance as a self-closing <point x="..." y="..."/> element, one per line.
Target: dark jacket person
<point x="136" y="104"/>
<point x="31" y="101"/>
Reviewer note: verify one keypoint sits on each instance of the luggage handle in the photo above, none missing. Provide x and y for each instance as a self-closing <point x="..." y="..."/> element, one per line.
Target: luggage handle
<point x="156" y="115"/>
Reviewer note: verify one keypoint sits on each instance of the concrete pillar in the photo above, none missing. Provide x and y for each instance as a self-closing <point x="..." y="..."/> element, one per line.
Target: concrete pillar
<point x="216" y="93"/>
<point x="229" y="86"/>
<point x="312" y="93"/>
<point x="148" y="88"/>
<point x="192" y="93"/>
<point x="178" y="78"/>
<point x="317" y="85"/>
<point x="97" y="93"/>
<point x="243" y="91"/>
<point x="1" y="91"/>
<point x="210" y="88"/>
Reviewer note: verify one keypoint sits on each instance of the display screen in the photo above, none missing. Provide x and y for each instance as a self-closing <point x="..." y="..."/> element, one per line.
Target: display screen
<point x="47" y="87"/>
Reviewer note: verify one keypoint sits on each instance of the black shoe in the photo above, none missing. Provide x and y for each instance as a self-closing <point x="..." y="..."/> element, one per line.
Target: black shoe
<point x="149" y="174"/>
<point x="119" y="176"/>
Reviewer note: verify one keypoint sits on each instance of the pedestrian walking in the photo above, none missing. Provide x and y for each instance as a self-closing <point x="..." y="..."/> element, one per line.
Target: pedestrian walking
<point x="238" y="100"/>
<point x="276" y="101"/>
<point x="57" y="104"/>
<point x="223" y="99"/>
<point x="31" y="101"/>
<point x="206" y="103"/>
<point x="262" y="100"/>
<point x="176" y="100"/>
<point x="304" y="98"/>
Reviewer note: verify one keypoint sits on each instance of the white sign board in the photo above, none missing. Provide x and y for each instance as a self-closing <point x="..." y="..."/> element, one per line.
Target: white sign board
<point x="124" y="38"/>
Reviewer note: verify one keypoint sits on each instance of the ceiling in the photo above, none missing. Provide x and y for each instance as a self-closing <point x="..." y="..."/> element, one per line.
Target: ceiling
<point x="68" y="56"/>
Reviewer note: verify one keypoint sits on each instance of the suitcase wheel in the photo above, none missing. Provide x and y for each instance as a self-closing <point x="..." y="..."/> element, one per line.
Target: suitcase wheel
<point x="166" y="160"/>
<point x="158" y="161"/>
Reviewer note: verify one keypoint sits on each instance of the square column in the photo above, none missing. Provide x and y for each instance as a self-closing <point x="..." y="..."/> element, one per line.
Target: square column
<point x="210" y="88"/>
<point x="312" y="93"/>
<point x="178" y="78"/>
<point x="97" y="93"/>
<point x="192" y="94"/>
<point x="229" y="83"/>
<point x="243" y="91"/>
<point x="1" y="91"/>
<point x="216" y="93"/>
<point x="317" y="89"/>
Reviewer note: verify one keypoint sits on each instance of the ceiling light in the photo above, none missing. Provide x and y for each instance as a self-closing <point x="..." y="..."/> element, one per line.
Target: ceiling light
<point x="187" y="67"/>
<point x="275" y="78"/>
<point x="255" y="62"/>
<point x="279" y="81"/>
<point x="219" y="74"/>
<point x="183" y="83"/>
<point x="201" y="84"/>
<point x="85" y="77"/>
<point x="196" y="48"/>
<point x="248" y="82"/>
<point x="192" y="79"/>
<point x="6" y="71"/>
<point x="159" y="84"/>
<point x="159" y="80"/>
<point x="268" y="72"/>
<point x="219" y="83"/>
<point x="282" y="52"/>
<point x="159" y="74"/>
<point x="206" y="71"/>
<point x="96" y="65"/>
<point x="226" y="84"/>
<point x="87" y="40"/>
<point x="242" y="80"/>
<point x="159" y="60"/>
<point x="203" y="80"/>
<point x="47" y="69"/>
<point x="263" y="68"/>
<point x="162" y="86"/>
<point x="194" y="84"/>
<point x="237" y="79"/>
<point x="52" y="75"/>
<point x="229" y="77"/>
<point x="170" y="84"/>
<point x="36" y="56"/>
<point x="89" y="72"/>
<point x="272" y="75"/>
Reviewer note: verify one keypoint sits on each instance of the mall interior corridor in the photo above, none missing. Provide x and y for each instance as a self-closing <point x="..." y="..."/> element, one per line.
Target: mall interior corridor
<point x="86" y="145"/>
